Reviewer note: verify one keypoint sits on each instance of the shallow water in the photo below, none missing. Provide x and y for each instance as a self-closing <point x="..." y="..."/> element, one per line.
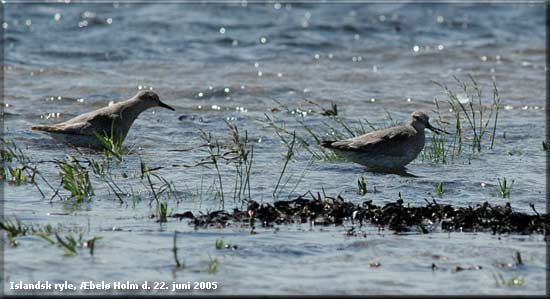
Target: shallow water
<point x="217" y="63"/>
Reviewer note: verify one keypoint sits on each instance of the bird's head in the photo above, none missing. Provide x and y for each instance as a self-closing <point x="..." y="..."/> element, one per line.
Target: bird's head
<point x="421" y="121"/>
<point x="151" y="99"/>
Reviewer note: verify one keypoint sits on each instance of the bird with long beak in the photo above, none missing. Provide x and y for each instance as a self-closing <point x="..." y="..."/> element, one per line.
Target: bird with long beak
<point x="386" y="149"/>
<point x="111" y="121"/>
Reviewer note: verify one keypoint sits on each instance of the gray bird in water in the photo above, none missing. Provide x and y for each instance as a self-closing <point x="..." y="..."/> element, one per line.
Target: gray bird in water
<point x="386" y="149"/>
<point x="115" y="119"/>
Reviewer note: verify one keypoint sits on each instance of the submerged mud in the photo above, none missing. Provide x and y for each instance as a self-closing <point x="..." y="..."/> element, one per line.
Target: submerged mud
<point x="317" y="210"/>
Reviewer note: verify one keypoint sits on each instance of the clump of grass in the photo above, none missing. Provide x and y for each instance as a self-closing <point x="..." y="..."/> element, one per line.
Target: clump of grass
<point x="213" y="265"/>
<point x="310" y="139"/>
<point x="514" y="281"/>
<point x="75" y="179"/>
<point x="162" y="212"/>
<point x="15" y="228"/>
<point x="213" y="149"/>
<point x="15" y="175"/>
<point x="10" y="152"/>
<point x="239" y="155"/>
<point x="219" y="244"/>
<point x="165" y="190"/>
<point x="515" y="151"/>
<point x="91" y="244"/>
<point x="504" y="188"/>
<point x="544" y="145"/>
<point x="179" y="264"/>
<point x="70" y="243"/>
<point x="475" y="112"/>
<point x="517" y="258"/>
<point x="112" y="146"/>
<point x="17" y="168"/>
<point x="243" y="158"/>
<point x="199" y="192"/>
<point x="284" y="135"/>
<point x="333" y="111"/>
<point x="18" y="175"/>
<point x="165" y="187"/>
<point x="437" y="151"/>
<point x="361" y="186"/>
<point x="335" y="127"/>
<point x="289" y="155"/>
<point x="439" y="189"/>
<point x="100" y="169"/>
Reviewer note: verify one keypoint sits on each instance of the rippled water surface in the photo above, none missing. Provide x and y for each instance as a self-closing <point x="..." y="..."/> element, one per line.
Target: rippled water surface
<point x="238" y="63"/>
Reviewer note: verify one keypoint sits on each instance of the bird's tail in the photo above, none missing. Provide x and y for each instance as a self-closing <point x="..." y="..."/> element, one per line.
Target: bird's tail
<point x="327" y="143"/>
<point x="42" y="128"/>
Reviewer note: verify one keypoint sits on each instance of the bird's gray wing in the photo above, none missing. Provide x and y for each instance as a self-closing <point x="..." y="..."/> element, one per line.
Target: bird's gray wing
<point x="389" y="141"/>
<point x="65" y="128"/>
<point x="102" y="123"/>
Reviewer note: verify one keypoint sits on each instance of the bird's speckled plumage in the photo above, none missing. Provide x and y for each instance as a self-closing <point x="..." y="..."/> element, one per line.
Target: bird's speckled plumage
<point x="117" y="118"/>
<point x="390" y="148"/>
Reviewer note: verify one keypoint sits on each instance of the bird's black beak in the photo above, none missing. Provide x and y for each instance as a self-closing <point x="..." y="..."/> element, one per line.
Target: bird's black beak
<point x="436" y="130"/>
<point x="161" y="104"/>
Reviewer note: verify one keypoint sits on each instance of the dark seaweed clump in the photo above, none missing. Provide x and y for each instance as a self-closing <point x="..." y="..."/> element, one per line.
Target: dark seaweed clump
<point x="395" y="216"/>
